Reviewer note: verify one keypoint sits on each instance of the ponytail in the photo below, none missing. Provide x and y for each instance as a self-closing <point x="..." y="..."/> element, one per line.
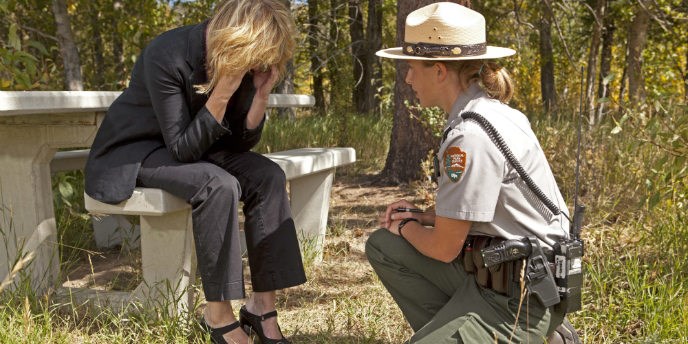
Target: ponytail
<point x="493" y="78"/>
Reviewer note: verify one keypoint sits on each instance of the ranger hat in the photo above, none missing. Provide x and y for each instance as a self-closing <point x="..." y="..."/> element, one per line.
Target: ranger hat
<point x="445" y="31"/>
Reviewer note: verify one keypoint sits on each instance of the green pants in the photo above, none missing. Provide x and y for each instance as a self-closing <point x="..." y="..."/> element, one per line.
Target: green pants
<point x="444" y="304"/>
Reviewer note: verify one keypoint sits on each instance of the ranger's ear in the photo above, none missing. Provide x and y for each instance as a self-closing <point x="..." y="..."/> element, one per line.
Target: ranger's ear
<point x="440" y="71"/>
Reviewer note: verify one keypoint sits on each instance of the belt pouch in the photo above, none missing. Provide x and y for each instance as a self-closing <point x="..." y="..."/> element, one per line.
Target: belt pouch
<point x="500" y="273"/>
<point x="468" y="263"/>
<point x="482" y="275"/>
<point x="499" y="277"/>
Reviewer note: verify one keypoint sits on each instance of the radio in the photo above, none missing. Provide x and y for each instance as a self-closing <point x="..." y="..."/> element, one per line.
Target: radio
<point x="568" y="266"/>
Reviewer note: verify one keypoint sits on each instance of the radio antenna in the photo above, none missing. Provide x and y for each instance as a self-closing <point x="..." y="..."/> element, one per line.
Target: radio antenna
<point x="578" y="209"/>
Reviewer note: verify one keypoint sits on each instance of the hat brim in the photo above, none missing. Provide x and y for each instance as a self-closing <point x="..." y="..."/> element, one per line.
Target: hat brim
<point x="491" y="53"/>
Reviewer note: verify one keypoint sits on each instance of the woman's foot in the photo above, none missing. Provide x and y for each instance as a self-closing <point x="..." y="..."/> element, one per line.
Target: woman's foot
<point x="270" y="327"/>
<point x="263" y="304"/>
<point x="223" y="325"/>
<point x="253" y="324"/>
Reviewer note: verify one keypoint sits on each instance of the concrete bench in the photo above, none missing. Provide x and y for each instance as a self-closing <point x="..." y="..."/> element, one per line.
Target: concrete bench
<point x="35" y="125"/>
<point x="167" y="249"/>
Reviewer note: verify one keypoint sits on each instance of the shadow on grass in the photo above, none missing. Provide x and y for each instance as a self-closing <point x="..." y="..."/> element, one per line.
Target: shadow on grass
<point x="359" y="210"/>
<point x="325" y="337"/>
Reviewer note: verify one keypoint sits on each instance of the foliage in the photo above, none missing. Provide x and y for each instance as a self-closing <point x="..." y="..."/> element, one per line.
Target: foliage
<point x="634" y="173"/>
<point x="636" y="250"/>
<point x="634" y="187"/>
<point x="515" y="25"/>
<point x="74" y="230"/>
<point x="343" y="130"/>
<point x="24" y="62"/>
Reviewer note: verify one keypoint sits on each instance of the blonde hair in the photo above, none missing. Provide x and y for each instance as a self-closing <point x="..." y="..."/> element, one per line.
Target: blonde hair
<point x="245" y="35"/>
<point x="493" y="78"/>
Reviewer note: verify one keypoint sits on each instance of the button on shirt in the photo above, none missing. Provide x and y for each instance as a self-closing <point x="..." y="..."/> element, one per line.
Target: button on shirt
<point x="477" y="184"/>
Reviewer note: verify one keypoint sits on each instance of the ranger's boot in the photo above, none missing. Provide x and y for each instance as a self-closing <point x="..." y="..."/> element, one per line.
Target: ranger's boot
<point x="564" y="334"/>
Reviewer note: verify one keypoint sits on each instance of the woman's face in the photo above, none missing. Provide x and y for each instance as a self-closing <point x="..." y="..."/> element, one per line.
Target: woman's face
<point x="422" y="79"/>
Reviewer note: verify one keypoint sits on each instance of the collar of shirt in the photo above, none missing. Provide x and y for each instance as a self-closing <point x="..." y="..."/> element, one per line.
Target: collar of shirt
<point x="473" y="91"/>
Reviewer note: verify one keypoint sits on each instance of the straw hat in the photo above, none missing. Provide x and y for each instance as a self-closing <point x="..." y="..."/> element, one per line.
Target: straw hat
<point x="445" y="31"/>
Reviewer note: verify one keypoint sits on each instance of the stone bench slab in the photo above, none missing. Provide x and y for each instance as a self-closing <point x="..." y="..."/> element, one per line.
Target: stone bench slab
<point x="167" y="249"/>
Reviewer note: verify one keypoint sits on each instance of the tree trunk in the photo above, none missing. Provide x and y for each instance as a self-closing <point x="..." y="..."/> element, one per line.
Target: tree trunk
<point x="97" y="48"/>
<point x="685" y="80"/>
<point x="287" y="85"/>
<point x="605" y="65"/>
<point x="118" y="48"/>
<point x="314" y="47"/>
<point x="547" y="86"/>
<point x="410" y="141"/>
<point x="637" y="38"/>
<point x="598" y="24"/>
<point x="374" y="39"/>
<point x="68" y="50"/>
<point x="337" y="98"/>
<point x="359" y="57"/>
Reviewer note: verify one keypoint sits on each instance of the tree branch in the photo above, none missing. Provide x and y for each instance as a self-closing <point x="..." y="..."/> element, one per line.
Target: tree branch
<point x="561" y="35"/>
<point x="28" y="28"/>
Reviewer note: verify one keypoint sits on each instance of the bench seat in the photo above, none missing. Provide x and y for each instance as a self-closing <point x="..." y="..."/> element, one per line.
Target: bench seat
<point x="167" y="250"/>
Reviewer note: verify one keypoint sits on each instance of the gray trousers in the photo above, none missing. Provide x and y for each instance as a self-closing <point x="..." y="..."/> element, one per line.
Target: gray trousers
<point x="214" y="187"/>
<point x="444" y="304"/>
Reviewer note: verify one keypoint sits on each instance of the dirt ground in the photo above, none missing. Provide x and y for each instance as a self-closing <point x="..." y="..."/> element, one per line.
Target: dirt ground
<point x="355" y="204"/>
<point x="342" y="302"/>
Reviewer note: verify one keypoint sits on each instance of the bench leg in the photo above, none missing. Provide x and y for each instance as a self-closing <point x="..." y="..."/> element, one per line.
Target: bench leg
<point x="168" y="262"/>
<point x="310" y="203"/>
<point x="112" y="230"/>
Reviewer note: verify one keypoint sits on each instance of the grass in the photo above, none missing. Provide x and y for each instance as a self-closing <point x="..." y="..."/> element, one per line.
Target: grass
<point x="634" y="183"/>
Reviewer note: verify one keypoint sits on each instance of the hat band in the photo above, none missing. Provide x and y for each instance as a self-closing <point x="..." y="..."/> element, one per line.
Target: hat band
<point x="435" y="50"/>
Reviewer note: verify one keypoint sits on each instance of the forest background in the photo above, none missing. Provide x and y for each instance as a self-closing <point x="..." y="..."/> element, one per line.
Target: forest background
<point x="622" y="64"/>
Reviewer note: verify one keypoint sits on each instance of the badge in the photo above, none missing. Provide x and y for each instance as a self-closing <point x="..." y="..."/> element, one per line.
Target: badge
<point x="454" y="163"/>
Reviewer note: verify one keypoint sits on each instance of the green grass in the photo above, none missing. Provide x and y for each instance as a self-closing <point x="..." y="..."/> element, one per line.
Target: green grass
<point x="369" y="135"/>
<point x="634" y="184"/>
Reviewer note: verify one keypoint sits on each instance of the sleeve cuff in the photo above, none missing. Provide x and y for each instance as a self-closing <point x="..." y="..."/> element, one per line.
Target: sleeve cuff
<point x="474" y="216"/>
<point x="252" y="132"/>
<point x="216" y="129"/>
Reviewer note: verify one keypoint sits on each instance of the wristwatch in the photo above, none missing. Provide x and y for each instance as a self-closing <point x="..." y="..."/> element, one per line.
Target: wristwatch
<point x="403" y="223"/>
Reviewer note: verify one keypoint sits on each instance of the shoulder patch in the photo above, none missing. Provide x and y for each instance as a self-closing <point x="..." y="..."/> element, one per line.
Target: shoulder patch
<point x="454" y="163"/>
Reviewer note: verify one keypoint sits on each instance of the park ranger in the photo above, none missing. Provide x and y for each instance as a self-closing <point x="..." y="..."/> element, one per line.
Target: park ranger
<point x="432" y="262"/>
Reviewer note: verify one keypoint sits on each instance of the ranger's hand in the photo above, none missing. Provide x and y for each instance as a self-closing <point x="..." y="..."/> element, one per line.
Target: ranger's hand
<point x="391" y="213"/>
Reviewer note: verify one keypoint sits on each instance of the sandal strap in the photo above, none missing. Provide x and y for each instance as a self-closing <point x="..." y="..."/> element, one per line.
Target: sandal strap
<point x="225" y="329"/>
<point x="217" y="334"/>
<point x="267" y="315"/>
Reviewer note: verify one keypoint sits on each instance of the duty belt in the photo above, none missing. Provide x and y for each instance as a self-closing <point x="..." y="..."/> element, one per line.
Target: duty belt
<point x="498" y="264"/>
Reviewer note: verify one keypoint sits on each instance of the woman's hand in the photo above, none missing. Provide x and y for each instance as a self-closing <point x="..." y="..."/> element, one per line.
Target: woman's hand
<point x="221" y="93"/>
<point x="264" y="81"/>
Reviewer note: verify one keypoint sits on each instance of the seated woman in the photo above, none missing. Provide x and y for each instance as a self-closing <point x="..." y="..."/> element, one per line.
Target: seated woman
<point x="194" y="108"/>
<point x="429" y="261"/>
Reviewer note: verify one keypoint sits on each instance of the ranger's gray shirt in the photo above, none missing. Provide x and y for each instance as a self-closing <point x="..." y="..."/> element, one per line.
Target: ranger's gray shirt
<point x="477" y="184"/>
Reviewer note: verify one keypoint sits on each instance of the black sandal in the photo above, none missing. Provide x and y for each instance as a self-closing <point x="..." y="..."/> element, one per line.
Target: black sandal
<point x="217" y="334"/>
<point x="253" y="324"/>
